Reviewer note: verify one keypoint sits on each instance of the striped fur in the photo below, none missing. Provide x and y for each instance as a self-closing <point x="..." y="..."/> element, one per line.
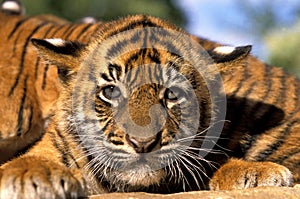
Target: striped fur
<point x="32" y="88"/>
<point x="96" y="141"/>
<point x="29" y="86"/>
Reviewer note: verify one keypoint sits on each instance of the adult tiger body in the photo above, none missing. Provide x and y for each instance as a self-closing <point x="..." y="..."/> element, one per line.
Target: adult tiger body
<point x="109" y="89"/>
<point x="29" y="86"/>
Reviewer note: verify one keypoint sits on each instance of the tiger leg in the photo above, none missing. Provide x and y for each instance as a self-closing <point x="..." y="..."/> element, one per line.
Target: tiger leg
<point x="240" y="174"/>
<point x="35" y="177"/>
<point x="41" y="173"/>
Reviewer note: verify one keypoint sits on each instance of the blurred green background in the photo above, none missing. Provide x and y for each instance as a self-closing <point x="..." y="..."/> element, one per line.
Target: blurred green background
<point x="105" y="9"/>
<point x="276" y="33"/>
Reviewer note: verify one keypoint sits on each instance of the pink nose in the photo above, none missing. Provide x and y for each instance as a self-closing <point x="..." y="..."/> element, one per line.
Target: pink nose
<point x="143" y="145"/>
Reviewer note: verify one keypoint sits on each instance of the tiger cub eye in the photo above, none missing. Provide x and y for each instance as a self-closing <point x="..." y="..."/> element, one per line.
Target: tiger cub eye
<point x="111" y="92"/>
<point x="174" y="94"/>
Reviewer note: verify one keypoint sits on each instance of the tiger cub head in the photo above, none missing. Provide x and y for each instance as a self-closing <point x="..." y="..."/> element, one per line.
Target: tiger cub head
<point x="140" y="98"/>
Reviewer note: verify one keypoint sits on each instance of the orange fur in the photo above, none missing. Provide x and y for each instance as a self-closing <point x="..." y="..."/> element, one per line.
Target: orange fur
<point x="257" y="147"/>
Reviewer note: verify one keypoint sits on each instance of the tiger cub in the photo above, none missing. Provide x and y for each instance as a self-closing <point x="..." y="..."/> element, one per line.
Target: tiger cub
<point x="143" y="107"/>
<point x="30" y="90"/>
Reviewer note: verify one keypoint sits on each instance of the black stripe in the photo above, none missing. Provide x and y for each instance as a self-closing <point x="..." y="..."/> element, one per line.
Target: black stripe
<point x="45" y="76"/>
<point x="30" y="118"/>
<point x="117" y="68"/>
<point x="134" y="76"/>
<point x="103" y="101"/>
<point x="111" y="72"/>
<point x="280" y="140"/>
<point x="286" y="156"/>
<point x="58" y="28"/>
<point x="244" y="78"/>
<point x="172" y="49"/>
<point x="101" y="120"/>
<point x="48" y="31"/>
<point x="36" y="68"/>
<point x="92" y="76"/>
<point x="168" y="74"/>
<point x="17" y="26"/>
<point x="71" y="29"/>
<point x="100" y="110"/>
<point x="16" y="45"/>
<point x="268" y="115"/>
<point x="150" y="73"/>
<point x="144" y="22"/>
<point x="67" y="148"/>
<point x="66" y="29"/>
<point x="155" y="56"/>
<point x="60" y="149"/>
<point x="107" y="124"/>
<point x="205" y="114"/>
<point x="114" y="49"/>
<point x="38" y="59"/>
<point x="66" y="152"/>
<point x="237" y="115"/>
<point x="271" y="118"/>
<point x="259" y="105"/>
<point x="297" y="109"/>
<point x="86" y="28"/>
<point x="105" y="77"/>
<point x="236" y="106"/>
<point x="22" y="61"/>
<point x="296" y="98"/>
<point x="131" y="59"/>
<point x="135" y="37"/>
<point x="282" y="95"/>
<point x="128" y="77"/>
<point x="21" y="108"/>
<point x="268" y="74"/>
<point x="158" y="73"/>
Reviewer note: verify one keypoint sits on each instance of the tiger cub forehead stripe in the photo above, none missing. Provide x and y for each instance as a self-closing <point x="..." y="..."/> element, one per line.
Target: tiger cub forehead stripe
<point x="225" y="50"/>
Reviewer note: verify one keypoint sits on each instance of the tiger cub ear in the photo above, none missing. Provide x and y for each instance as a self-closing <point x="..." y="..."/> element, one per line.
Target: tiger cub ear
<point x="66" y="55"/>
<point x="225" y="54"/>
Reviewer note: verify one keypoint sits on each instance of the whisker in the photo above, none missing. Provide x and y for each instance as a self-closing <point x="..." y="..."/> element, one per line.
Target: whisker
<point x="199" y="133"/>
<point x="221" y="147"/>
<point x="196" y="158"/>
<point x="190" y="169"/>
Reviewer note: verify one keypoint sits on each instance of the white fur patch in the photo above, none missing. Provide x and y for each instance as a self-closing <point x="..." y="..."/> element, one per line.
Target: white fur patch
<point x="11" y="6"/>
<point x="91" y="20"/>
<point x="225" y="50"/>
<point x="56" y="42"/>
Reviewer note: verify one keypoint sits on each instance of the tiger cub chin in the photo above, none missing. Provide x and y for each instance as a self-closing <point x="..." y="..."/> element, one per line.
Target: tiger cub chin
<point x="145" y="108"/>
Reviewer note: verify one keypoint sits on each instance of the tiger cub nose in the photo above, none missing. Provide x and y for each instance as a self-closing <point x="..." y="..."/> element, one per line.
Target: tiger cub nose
<point x="143" y="145"/>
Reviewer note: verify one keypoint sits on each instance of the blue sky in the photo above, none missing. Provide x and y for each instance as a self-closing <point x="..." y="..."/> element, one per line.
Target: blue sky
<point x="223" y="21"/>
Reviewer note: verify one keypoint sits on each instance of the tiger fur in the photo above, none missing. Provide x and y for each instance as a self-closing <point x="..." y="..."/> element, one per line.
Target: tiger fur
<point x="257" y="146"/>
<point x="32" y="86"/>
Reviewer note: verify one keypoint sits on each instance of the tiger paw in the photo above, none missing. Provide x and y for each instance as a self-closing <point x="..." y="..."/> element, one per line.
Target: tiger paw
<point x="239" y="174"/>
<point x="31" y="177"/>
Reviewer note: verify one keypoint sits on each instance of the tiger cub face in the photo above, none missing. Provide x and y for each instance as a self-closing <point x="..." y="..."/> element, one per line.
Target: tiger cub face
<point x="140" y="102"/>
